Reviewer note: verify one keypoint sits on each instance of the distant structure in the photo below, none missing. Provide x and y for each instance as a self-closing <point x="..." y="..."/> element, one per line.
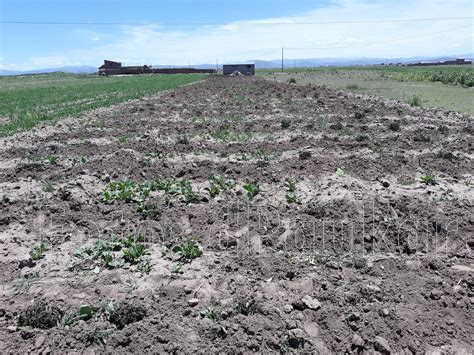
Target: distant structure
<point x="239" y="69"/>
<point x="115" y="68"/>
<point x="445" y="62"/>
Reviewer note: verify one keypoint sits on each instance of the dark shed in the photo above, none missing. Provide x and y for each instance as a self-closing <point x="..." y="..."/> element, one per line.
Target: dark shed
<point x="245" y="69"/>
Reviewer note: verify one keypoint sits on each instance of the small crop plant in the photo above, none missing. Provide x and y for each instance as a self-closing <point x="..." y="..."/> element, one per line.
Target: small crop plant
<point x="291" y="191"/>
<point x="220" y="184"/>
<point x="38" y="252"/>
<point x="252" y="190"/>
<point x="115" y="253"/>
<point x="188" y="251"/>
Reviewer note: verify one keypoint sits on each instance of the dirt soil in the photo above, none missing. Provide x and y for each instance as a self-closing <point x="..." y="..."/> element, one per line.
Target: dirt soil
<point x="361" y="256"/>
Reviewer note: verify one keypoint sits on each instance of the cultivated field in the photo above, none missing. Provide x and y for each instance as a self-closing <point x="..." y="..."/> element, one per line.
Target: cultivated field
<point x="238" y="215"/>
<point x="448" y="87"/>
<point x="28" y="100"/>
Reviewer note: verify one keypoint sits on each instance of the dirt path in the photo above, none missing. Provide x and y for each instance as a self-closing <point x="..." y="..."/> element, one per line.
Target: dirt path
<point x="320" y="235"/>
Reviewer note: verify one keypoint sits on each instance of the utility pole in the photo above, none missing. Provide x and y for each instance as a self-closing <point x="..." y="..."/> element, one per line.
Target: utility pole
<point x="282" y="59"/>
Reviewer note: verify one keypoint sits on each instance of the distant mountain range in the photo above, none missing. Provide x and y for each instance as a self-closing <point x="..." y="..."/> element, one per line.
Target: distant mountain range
<point x="265" y="64"/>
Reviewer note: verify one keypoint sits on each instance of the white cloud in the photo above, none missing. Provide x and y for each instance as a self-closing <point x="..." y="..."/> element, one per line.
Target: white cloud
<point x="243" y="40"/>
<point x="96" y="38"/>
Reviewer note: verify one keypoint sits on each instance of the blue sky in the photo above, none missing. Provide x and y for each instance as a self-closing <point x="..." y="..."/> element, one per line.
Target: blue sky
<point x="235" y="37"/>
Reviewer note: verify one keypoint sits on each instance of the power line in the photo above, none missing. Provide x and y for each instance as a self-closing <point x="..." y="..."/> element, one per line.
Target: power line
<point x="382" y="42"/>
<point x="248" y="23"/>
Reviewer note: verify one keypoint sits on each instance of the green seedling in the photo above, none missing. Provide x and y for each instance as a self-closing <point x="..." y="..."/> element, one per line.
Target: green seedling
<point x="38" y="252"/>
<point x="188" y="251"/>
<point x="429" y="179"/>
<point x="252" y="190"/>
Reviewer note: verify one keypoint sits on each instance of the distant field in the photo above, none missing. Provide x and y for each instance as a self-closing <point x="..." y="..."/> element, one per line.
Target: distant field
<point x="449" y="87"/>
<point x="27" y="100"/>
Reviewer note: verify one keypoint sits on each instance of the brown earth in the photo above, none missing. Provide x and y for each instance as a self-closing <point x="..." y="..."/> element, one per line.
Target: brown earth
<point x="368" y="259"/>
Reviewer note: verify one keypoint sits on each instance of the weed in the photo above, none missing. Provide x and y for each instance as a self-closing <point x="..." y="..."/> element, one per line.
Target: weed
<point x="209" y="313"/>
<point x="127" y="313"/>
<point x="235" y="118"/>
<point x="429" y="179"/>
<point x="252" y="189"/>
<point x="40" y="315"/>
<point x="188" y="251"/>
<point x="247" y="307"/>
<point x="415" y="101"/>
<point x="292" y="81"/>
<point x="78" y="161"/>
<point x="52" y="159"/>
<point x="394" y="126"/>
<point x="292" y="197"/>
<point x="285" y="124"/>
<point x="182" y="140"/>
<point x="23" y="284"/>
<point x="38" y="252"/>
<point x="48" y="187"/>
<point x="361" y="137"/>
<point x="352" y="87"/>
<point x="290" y="185"/>
<point x="304" y="155"/>
<point x="446" y="155"/>
<point x="84" y="312"/>
<point x="340" y="172"/>
<point x="124" y="138"/>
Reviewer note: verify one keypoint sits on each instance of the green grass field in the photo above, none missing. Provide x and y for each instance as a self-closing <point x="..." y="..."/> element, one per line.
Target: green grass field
<point x="448" y="87"/>
<point x="27" y="100"/>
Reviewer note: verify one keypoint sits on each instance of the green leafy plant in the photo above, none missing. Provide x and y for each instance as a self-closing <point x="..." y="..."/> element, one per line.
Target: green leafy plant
<point x="188" y="251"/>
<point x="429" y="179"/>
<point x="252" y="189"/>
<point x="38" y="252"/>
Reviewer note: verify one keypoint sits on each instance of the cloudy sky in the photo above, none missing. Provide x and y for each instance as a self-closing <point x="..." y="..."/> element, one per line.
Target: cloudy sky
<point x="200" y="31"/>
